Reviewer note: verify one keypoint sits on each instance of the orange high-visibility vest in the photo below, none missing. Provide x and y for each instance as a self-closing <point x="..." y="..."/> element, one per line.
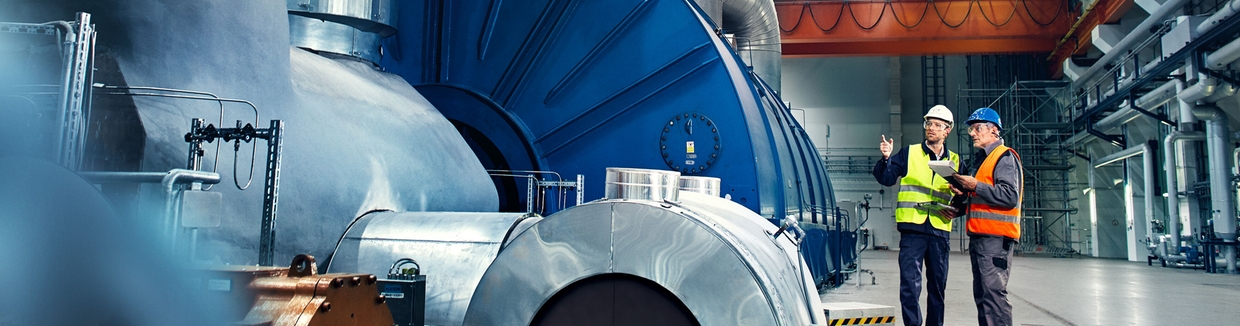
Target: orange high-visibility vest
<point x="993" y="220"/>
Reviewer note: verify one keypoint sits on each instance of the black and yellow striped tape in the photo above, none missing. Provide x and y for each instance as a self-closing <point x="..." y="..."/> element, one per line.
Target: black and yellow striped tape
<point x="863" y="321"/>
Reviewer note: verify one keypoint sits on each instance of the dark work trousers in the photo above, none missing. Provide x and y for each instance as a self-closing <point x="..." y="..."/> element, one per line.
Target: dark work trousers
<point x="915" y="248"/>
<point x="992" y="261"/>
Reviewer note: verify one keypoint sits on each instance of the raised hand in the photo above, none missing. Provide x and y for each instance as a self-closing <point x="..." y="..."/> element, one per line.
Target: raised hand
<point x="885" y="146"/>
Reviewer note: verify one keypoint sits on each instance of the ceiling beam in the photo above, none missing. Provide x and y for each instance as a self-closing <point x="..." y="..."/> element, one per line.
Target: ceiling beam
<point x="907" y="27"/>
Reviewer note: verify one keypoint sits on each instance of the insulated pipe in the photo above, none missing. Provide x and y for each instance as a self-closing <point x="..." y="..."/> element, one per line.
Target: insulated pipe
<point x="1227" y="54"/>
<point x="1148" y="173"/>
<point x="1222" y="91"/>
<point x="1186" y="107"/>
<point x="1139" y="33"/>
<point x="755" y="26"/>
<point x="1202" y="89"/>
<point x="1173" y="190"/>
<point x="1222" y="212"/>
<point x="1158" y="96"/>
<point x="1218" y="17"/>
<point x="1124" y="115"/>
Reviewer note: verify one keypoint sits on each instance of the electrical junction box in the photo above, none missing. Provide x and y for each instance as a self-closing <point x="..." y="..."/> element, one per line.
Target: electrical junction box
<point x="406" y="298"/>
<point x="201" y="209"/>
<point x="1185" y="31"/>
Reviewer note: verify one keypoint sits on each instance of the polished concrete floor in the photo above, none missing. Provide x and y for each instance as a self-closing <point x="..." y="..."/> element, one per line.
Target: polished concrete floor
<point x="1068" y="291"/>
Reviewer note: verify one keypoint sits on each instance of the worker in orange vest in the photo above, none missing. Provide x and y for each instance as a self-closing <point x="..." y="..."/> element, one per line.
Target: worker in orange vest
<point x="995" y="193"/>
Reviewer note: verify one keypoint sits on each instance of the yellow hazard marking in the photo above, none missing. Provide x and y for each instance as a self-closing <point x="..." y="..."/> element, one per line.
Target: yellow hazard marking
<point x="863" y="321"/>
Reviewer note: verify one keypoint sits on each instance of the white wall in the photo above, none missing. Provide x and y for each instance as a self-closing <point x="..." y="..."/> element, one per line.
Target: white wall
<point x="844" y="105"/>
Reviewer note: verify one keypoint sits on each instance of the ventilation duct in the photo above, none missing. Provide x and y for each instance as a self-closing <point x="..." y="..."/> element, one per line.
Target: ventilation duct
<point x="755" y="27"/>
<point x="353" y="28"/>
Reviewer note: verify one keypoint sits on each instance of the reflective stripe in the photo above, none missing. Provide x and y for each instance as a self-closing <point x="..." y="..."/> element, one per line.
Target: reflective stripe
<point x="916" y="188"/>
<point x="921" y="185"/>
<point x="993" y="216"/>
<point x="926" y="191"/>
<point x="986" y="218"/>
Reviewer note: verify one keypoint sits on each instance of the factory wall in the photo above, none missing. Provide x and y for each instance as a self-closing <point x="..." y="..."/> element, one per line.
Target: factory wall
<point x="845" y="105"/>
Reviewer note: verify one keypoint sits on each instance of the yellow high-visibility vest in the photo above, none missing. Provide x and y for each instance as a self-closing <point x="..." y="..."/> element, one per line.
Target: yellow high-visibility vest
<point x="922" y="185"/>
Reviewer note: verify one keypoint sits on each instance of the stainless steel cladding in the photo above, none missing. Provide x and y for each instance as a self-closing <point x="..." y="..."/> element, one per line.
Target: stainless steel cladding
<point x="453" y="250"/>
<point x="356" y="139"/>
<point x="642" y="184"/>
<point x="349" y="27"/>
<point x="701" y="185"/>
<point x="716" y="257"/>
<point x="375" y="11"/>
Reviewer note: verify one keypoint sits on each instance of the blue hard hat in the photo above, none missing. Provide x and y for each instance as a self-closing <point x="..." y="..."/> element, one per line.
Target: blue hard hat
<point x="985" y="115"/>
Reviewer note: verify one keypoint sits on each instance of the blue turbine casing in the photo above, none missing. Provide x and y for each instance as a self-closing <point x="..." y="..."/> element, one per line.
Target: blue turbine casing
<point x="578" y="86"/>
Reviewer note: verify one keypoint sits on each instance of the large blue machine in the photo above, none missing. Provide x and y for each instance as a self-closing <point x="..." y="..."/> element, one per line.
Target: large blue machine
<point x="575" y="87"/>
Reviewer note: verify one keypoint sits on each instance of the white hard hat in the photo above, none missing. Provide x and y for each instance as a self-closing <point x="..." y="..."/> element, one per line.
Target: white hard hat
<point x="940" y="112"/>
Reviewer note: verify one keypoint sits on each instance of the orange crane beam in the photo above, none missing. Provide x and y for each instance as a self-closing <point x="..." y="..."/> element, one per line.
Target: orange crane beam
<point x="1077" y="40"/>
<point x="908" y="27"/>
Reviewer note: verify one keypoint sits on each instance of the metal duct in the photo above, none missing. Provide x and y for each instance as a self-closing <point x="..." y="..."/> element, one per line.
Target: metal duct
<point x="1222" y="211"/>
<point x="701" y="185"/>
<point x="642" y="184"/>
<point x="755" y="27"/>
<point x="1173" y="190"/>
<point x="715" y="257"/>
<point x="712" y="8"/>
<point x="1139" y="33"/>
<point x="348" y="27"/>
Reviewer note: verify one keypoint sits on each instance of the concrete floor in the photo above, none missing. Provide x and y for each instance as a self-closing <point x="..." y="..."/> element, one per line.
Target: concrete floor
<point x="1068" y="291"/>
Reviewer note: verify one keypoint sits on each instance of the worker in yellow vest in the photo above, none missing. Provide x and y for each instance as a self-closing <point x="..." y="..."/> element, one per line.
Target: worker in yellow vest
<point x="923" y="223"/>
<point x="995" y="193"/>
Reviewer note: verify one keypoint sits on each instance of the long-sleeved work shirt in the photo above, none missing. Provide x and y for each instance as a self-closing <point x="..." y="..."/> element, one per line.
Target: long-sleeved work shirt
<point x="889" y="171"/>
<point x="1006" y="191"/>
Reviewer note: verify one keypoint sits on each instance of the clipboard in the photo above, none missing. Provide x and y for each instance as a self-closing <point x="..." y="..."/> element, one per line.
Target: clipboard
<point x="943" y="168"/>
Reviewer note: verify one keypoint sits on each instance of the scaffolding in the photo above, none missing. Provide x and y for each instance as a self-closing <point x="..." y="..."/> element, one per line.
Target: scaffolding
<point x="1034" y="125"/>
